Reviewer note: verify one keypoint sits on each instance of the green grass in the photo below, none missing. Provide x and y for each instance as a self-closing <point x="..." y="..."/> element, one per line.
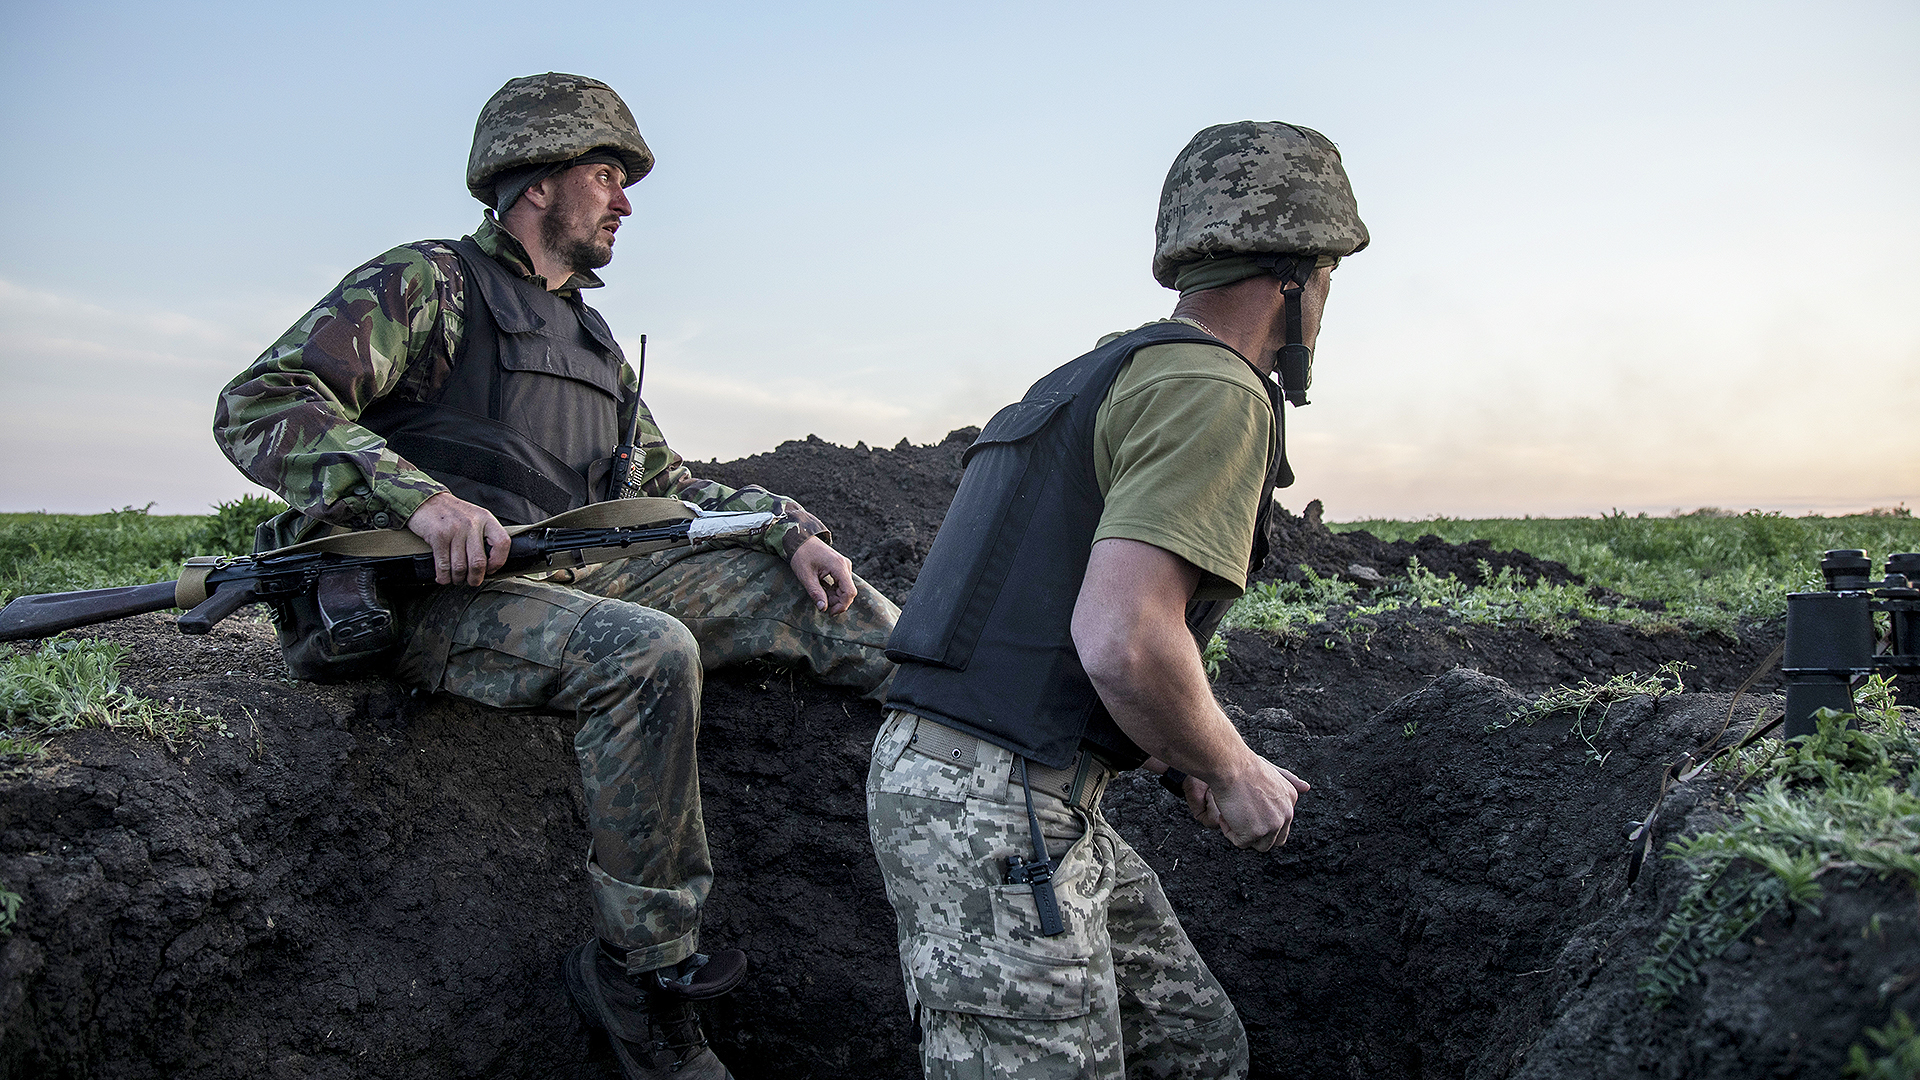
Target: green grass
<point x="1286" y="609"/>
<point x="1580" y="699"/>
<point x="1838" y="807"/>
<point x="1711" y="569"/>
<point x="68" y="684"/>
<point x="41" y="553"/>
<point x="1902" y="1058"/>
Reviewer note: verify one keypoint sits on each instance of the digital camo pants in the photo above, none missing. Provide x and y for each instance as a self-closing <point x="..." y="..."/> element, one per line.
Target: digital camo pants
<point x="627" y="659"/>
<point x="1121" y="994"/>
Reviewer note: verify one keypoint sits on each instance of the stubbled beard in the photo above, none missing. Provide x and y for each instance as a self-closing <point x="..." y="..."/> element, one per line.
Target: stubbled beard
<point x="587" y="254"/>
<point x="576" y="253"/>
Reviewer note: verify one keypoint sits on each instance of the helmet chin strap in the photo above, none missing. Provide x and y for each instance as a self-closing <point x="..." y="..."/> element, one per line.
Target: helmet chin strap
<point x="1295" y="359"/>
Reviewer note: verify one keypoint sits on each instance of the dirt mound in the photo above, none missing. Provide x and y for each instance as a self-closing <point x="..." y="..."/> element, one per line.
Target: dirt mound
<point x="1359" y="555"/>
<point x="355" y="882"/>
<point x="884" y="506"/>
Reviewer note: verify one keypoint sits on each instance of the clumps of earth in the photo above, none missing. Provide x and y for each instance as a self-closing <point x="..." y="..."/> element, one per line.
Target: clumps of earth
<point x="354" y="882"/>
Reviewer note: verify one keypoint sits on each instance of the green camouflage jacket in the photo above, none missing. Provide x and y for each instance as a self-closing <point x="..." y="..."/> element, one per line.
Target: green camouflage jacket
<point x="392" y="327"/>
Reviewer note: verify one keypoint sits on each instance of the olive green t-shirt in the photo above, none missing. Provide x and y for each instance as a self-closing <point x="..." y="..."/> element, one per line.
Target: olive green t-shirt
<point x="1180" y="450"/>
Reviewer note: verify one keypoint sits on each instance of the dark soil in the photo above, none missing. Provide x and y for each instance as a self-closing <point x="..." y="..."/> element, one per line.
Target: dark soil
<point x="354" y="882"/>
<point x="1300" y="541"/>
<point x="884" y="506"/>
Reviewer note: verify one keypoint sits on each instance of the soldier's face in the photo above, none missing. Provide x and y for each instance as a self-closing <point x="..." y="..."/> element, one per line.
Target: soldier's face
<point x="579" y="226"/>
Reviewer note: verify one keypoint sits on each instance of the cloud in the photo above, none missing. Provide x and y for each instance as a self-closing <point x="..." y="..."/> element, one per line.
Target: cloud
<point x="109" y="408"/>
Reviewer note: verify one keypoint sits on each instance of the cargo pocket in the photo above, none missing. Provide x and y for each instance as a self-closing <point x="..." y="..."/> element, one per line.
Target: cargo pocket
<point x="986" y="978"/>
<point x="1079" y="887"/>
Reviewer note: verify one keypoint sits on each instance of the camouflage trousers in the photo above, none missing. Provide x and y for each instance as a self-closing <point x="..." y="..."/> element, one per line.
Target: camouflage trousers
<point x="1120" y="994"/>
<point x="746" y="604"/>
<point x="624" y="650"/>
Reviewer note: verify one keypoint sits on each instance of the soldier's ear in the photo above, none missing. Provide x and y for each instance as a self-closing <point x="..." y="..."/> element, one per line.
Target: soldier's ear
<point x="540" y="195"/>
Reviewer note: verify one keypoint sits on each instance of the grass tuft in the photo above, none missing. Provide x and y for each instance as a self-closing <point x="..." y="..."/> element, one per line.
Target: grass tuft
<point x="68" y="684"/>
<point x="1842" y="804"/>
<point x="1581" y="698"/>
<point x="1902" y="1058"/>
<point x="1213" y="656"/>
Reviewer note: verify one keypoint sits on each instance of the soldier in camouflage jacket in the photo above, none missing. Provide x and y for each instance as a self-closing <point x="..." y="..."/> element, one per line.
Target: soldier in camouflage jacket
<point x="623" y="645"/>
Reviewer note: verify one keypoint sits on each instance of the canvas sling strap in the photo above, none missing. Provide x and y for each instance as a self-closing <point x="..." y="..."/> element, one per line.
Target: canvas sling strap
<point x="191" y="590"/>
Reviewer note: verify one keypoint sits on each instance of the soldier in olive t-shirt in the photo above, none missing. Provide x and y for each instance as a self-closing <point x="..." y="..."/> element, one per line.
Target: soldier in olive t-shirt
<point x="1053" y="639"/>
<point x="1180" y="449"/>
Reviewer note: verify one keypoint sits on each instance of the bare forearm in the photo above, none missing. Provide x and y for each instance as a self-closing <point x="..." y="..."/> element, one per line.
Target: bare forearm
<point x="1158" y="695"/>
<point x="1130" y="631"/>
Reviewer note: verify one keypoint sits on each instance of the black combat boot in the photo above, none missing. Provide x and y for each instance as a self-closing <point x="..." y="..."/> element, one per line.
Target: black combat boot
<point x="649" y="1018"/>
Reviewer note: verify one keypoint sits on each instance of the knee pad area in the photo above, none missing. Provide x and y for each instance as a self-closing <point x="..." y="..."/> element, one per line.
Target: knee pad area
<point x="616" y="626"/>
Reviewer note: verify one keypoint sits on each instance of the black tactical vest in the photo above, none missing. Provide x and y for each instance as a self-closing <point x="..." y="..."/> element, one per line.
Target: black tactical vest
<point x="529" y="417"/>
<point x="985" y="643"/>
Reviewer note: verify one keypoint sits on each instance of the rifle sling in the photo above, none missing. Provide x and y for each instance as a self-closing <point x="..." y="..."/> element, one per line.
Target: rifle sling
<point x="191" y="590"/>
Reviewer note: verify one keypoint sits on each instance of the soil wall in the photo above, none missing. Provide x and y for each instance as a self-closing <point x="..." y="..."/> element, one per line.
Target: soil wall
<point x="355" y="882"/>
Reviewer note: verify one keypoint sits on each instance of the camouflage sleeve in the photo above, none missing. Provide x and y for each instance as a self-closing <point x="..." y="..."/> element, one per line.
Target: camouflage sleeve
<point x="663" y="474"/>
<point x="287" y="421"/>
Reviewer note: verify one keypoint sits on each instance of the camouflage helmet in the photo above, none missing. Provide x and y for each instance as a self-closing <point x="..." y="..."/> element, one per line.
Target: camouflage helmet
<point x="544" y="119"/>
<point x="1254" y="188"/>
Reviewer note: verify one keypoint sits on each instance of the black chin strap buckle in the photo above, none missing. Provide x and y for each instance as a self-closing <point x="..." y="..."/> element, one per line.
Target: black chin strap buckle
<point x="1295" y="360"/>
<point x="1295" y="364"/>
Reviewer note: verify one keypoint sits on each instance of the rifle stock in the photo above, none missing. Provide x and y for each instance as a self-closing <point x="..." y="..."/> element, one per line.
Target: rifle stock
<point x="46" y="614"/>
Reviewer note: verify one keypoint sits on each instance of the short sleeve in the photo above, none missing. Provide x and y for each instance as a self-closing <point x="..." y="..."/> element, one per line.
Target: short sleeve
<point x="1181" y="449"/>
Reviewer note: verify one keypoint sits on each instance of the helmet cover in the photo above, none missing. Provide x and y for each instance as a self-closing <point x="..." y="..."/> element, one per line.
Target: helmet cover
<point x="1254" y="188"/>
<point x="543" y="119"/>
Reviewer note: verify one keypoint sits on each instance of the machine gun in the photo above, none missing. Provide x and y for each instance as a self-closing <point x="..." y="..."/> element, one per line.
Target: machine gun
<point x="336" y="580"/>
<point x="1830" y="635"/>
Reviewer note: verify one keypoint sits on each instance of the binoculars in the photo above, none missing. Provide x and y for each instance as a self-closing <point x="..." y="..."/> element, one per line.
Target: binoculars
<point x="1831" y="637"/>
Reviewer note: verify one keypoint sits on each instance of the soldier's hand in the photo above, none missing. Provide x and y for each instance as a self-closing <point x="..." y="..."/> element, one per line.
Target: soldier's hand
<point x="468" y="541"/>
<point x="1254" y="807"/>
<point x="1193" y="792"/>
<point x="825" y="574"/>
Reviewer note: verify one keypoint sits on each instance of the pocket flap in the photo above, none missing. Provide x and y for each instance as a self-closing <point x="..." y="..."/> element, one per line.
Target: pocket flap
<point x="1020" y="420"/>
<point x="595" y="371"/>
<point x="989" y="979"/>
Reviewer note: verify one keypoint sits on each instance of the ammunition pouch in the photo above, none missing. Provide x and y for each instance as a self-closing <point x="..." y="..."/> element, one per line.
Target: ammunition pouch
<point x="344" y="629"/>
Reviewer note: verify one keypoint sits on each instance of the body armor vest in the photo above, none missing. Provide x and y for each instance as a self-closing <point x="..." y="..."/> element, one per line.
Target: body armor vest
<point x="528" y="419"/>
<point x="985" y="643"/>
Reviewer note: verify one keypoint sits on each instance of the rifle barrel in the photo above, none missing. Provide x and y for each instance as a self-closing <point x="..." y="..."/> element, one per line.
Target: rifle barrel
<point x="46" y="614"/>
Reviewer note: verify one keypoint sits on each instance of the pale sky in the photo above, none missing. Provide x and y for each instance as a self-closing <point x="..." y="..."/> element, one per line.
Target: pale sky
<point x="1641" y="256"/>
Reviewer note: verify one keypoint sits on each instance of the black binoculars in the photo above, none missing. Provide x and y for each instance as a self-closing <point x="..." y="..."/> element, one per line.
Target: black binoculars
<point x="1831" y="637"/>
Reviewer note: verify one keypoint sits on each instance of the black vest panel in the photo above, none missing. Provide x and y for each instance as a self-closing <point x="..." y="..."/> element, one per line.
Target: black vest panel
<point x="529" y="416"/>
<point x="985" y="643"/>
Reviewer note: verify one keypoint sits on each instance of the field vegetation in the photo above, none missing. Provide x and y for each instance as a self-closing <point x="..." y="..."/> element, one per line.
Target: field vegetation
<point x="70" y="683"/>
<point x="1708" y="569"/>
<point x="42" y="553"/>
<point x="1837" y="807"/>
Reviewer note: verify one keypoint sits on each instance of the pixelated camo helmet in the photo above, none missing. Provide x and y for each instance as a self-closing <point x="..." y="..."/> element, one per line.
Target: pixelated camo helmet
<point x="544" y="119"/>
<point x="1254" y="188"/>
